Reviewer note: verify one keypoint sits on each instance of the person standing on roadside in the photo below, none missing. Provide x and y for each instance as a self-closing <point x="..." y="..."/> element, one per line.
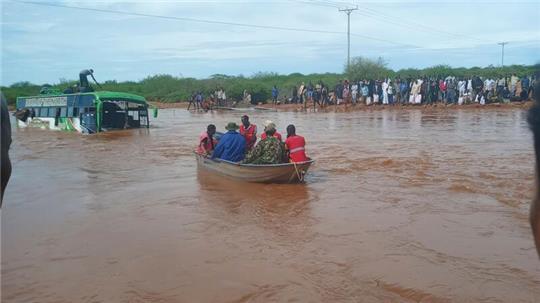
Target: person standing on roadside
<point x="404" y="91"/>
<point x="193" y="100"/>
<point x="301" y="91"/>
<point x="294" y="95"/>
<point x="339" y="92"/>
<point x="513" y="81"/>
<point x="390" y="92"/>
<point x="309" y="92"/>
<point x="366" y="99"/>
<point x="324" y="94"/>
<point x="384" y="89"/>
<point x="442" y="90"/>
<point x="396" y="90"/>
<point x="354" y="92"/>
<point x="433" y="91"/>
<point x="275" y="94"/>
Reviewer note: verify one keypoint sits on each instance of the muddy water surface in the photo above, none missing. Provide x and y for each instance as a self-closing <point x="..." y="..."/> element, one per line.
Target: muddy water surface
<point x="401" y="206"/>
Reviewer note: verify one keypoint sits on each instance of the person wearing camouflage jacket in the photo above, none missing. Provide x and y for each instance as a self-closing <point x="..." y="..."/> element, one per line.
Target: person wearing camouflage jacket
<point x="267" y="151"/>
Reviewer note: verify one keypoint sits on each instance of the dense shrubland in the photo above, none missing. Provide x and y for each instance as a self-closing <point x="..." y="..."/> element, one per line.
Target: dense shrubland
<point x="166" y="88"/>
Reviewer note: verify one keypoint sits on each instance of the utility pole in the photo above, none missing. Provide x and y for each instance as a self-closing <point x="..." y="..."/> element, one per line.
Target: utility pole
<point x="348" y="11"/>
<point x="502" y="55"/>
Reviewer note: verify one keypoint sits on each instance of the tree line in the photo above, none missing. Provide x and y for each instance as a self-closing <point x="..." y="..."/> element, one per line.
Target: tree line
<point x="167" y="88"/>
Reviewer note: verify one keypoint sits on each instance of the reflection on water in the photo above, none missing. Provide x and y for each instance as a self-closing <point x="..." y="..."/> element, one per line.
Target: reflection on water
<point x="401" y="206"/>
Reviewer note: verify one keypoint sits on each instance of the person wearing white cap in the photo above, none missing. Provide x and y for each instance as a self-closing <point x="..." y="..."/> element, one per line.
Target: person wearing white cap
<point x="270" y="124"/>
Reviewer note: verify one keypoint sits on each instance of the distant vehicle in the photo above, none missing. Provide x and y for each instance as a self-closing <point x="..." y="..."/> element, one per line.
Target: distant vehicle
<point x="88" y="112"/>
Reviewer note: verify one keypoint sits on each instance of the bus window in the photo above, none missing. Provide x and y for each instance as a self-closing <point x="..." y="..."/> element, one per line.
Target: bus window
<point x="134" y="114"/>
<point x="57" y="113"/>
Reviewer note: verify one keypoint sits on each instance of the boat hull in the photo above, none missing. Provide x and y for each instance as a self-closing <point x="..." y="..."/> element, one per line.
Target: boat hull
<point x="274" y="173"/>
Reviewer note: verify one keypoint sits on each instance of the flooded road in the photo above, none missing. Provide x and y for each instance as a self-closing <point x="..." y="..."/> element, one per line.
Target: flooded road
<point x="401" y="206"/>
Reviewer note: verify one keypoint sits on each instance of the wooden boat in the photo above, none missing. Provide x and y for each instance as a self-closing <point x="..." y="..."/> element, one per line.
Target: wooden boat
<point x="272" y="173"/>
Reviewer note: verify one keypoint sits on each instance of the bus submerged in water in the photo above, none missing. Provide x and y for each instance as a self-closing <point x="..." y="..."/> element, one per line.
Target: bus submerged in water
<point x="85" y="112"/>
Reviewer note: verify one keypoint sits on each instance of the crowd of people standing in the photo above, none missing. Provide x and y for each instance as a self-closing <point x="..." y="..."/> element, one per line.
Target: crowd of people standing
<point x="449" y="90"/>
<point x="387" y="91"/>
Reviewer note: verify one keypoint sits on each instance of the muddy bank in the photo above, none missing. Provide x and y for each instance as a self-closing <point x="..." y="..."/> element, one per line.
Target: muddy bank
<point x="363" y="107"/>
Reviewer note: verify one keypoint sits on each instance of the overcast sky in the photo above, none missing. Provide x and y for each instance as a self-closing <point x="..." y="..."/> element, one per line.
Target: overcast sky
<point x="45" y="41"/>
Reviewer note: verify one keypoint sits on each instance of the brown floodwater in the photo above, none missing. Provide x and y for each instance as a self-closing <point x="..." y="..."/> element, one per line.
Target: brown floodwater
<point x="401" y="206"/>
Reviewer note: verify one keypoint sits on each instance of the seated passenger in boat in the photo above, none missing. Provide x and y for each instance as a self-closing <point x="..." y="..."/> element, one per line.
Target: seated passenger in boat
<point x="268" y="151"/>
<point x="295" y="145"/>
<point x="249" y="131"/>
<point x="207" y="142"/>
<point x="231" y="146"/>
<point x="276" y="134"/>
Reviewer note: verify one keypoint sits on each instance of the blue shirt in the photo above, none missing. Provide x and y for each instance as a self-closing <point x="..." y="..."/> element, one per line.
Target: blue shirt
<point x="525" y="82"/>
<point x="231" y="147"/>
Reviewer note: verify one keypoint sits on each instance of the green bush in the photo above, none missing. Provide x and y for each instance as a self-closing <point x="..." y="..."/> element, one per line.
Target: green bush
<point x="167" y="88"/>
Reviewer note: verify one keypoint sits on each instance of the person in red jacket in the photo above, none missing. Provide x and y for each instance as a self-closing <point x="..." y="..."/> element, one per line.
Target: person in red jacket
<point x="276" y="135"/>
<point x="249" y="132"/>
<point x="296" y="145"/>
<point x="207" y="143"/>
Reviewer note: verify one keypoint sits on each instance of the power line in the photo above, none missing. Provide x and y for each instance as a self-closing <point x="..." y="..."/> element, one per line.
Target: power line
<point x="330" y="4"/>
<point x="187" y="19"/>
<point x="369" y="12"/>
<point x="178" y="18"/>
<point x="335" y="3"/>
<point x="317" y="3"/>
<point x="423" y="26"/>
<point x="518" y="43"/>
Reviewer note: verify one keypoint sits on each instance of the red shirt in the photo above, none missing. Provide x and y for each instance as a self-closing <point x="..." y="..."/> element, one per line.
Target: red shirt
<point x="276" y="135"/>
<point x="296" y="146"/>
<point x="205" y="144"/>
<point x="442" y="86"/>
<point x="250" y="134"/>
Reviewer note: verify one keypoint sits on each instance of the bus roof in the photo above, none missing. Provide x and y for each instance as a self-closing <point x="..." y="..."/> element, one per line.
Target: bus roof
<point x="107" y="95"/>
<point x="100" y="96"/>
